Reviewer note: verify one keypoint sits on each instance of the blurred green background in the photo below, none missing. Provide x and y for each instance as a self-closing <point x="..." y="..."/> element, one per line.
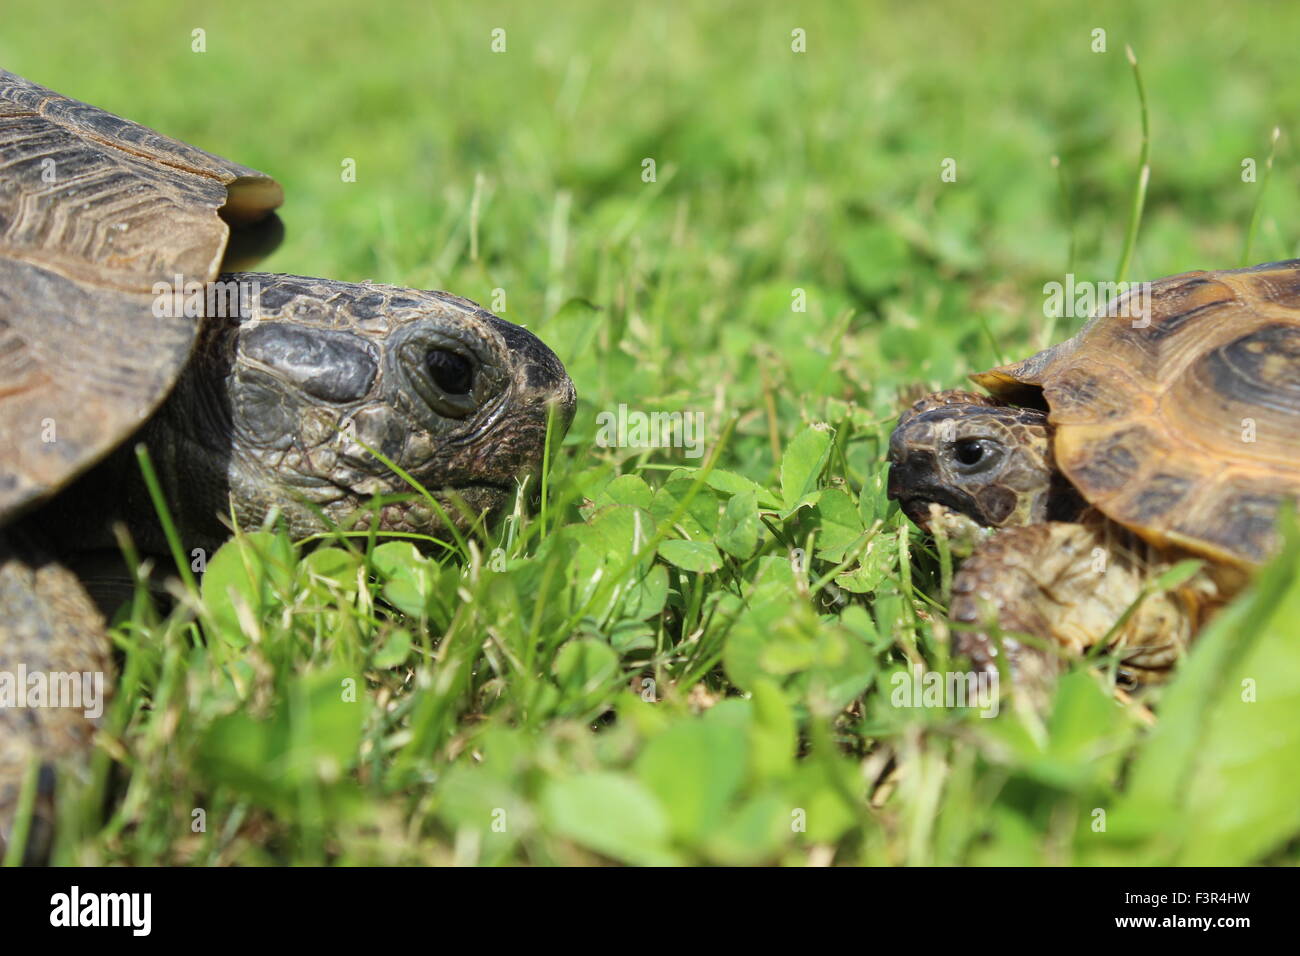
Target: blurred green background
<point x="775" y="171"/>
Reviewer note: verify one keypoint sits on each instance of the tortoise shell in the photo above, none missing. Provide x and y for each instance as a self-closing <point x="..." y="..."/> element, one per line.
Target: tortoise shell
<point x="1182" y="423"/>
<point x="94" y="212"/>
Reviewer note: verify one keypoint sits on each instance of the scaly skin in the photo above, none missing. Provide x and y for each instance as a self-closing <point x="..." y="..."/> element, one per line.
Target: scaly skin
<point x="49" y="627"/>
<point x="1070" y="585"/>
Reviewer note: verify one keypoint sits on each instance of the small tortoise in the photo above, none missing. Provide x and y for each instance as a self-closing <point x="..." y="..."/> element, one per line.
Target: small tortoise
<point x="1143" y="440"/>
<point x="268" y="396"/>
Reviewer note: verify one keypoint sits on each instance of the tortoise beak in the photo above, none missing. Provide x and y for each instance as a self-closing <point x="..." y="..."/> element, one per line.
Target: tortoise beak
<point x="540" y="374"/>
<point x="909" y="468"/>
<point x="913" y="476"/>
<point x="906" y="476"/>
<point x="903" y="482"/>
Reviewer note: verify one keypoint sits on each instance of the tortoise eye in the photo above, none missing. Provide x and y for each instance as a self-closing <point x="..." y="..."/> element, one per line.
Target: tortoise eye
<point x="969" y="451"/>
<point x="450" y="371"/>
<point x="974" y="455"/>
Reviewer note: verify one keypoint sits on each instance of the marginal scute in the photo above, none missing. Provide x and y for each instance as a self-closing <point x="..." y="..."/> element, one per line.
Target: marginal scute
<point x="1238" y="520"/>
<point x="1160" y="494"/>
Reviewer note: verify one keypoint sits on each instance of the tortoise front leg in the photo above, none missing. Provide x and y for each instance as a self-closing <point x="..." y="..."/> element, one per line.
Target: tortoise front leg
<point x="55" y="665"/>
<point x="1069" y="585"/>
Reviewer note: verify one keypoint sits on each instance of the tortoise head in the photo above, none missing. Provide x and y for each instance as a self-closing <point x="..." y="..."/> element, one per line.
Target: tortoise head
<point x="332" y="393"/>
<point x="967" y="453"/>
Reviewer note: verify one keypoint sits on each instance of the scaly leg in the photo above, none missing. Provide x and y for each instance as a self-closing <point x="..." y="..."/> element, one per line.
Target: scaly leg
<point x="51" y="637"/>
<point x="1068" y="585"/>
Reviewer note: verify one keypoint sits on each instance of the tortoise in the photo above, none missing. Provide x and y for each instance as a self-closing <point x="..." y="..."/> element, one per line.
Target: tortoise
<point x="1157" y="434"/>
<point x="278" y="393"/>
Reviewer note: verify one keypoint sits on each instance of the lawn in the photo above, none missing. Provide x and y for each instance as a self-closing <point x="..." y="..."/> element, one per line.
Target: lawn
<point x="776" y="223"/>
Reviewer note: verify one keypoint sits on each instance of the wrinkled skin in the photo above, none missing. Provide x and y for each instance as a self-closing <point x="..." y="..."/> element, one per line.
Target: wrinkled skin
<point x="1057" y="577"/>
<point x="282" y="409"/>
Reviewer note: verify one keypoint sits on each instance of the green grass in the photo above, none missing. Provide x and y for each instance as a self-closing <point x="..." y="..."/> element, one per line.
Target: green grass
<point x="689" y="660"/>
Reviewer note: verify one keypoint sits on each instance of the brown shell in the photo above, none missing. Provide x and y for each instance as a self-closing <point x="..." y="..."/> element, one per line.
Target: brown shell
<point x="94" y="210"/>
<point x="1183" y="424"/>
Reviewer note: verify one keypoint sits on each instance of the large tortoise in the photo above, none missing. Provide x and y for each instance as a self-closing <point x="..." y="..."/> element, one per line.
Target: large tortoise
<point x="269" y="394"/>
<point x="1151" y="436"/>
